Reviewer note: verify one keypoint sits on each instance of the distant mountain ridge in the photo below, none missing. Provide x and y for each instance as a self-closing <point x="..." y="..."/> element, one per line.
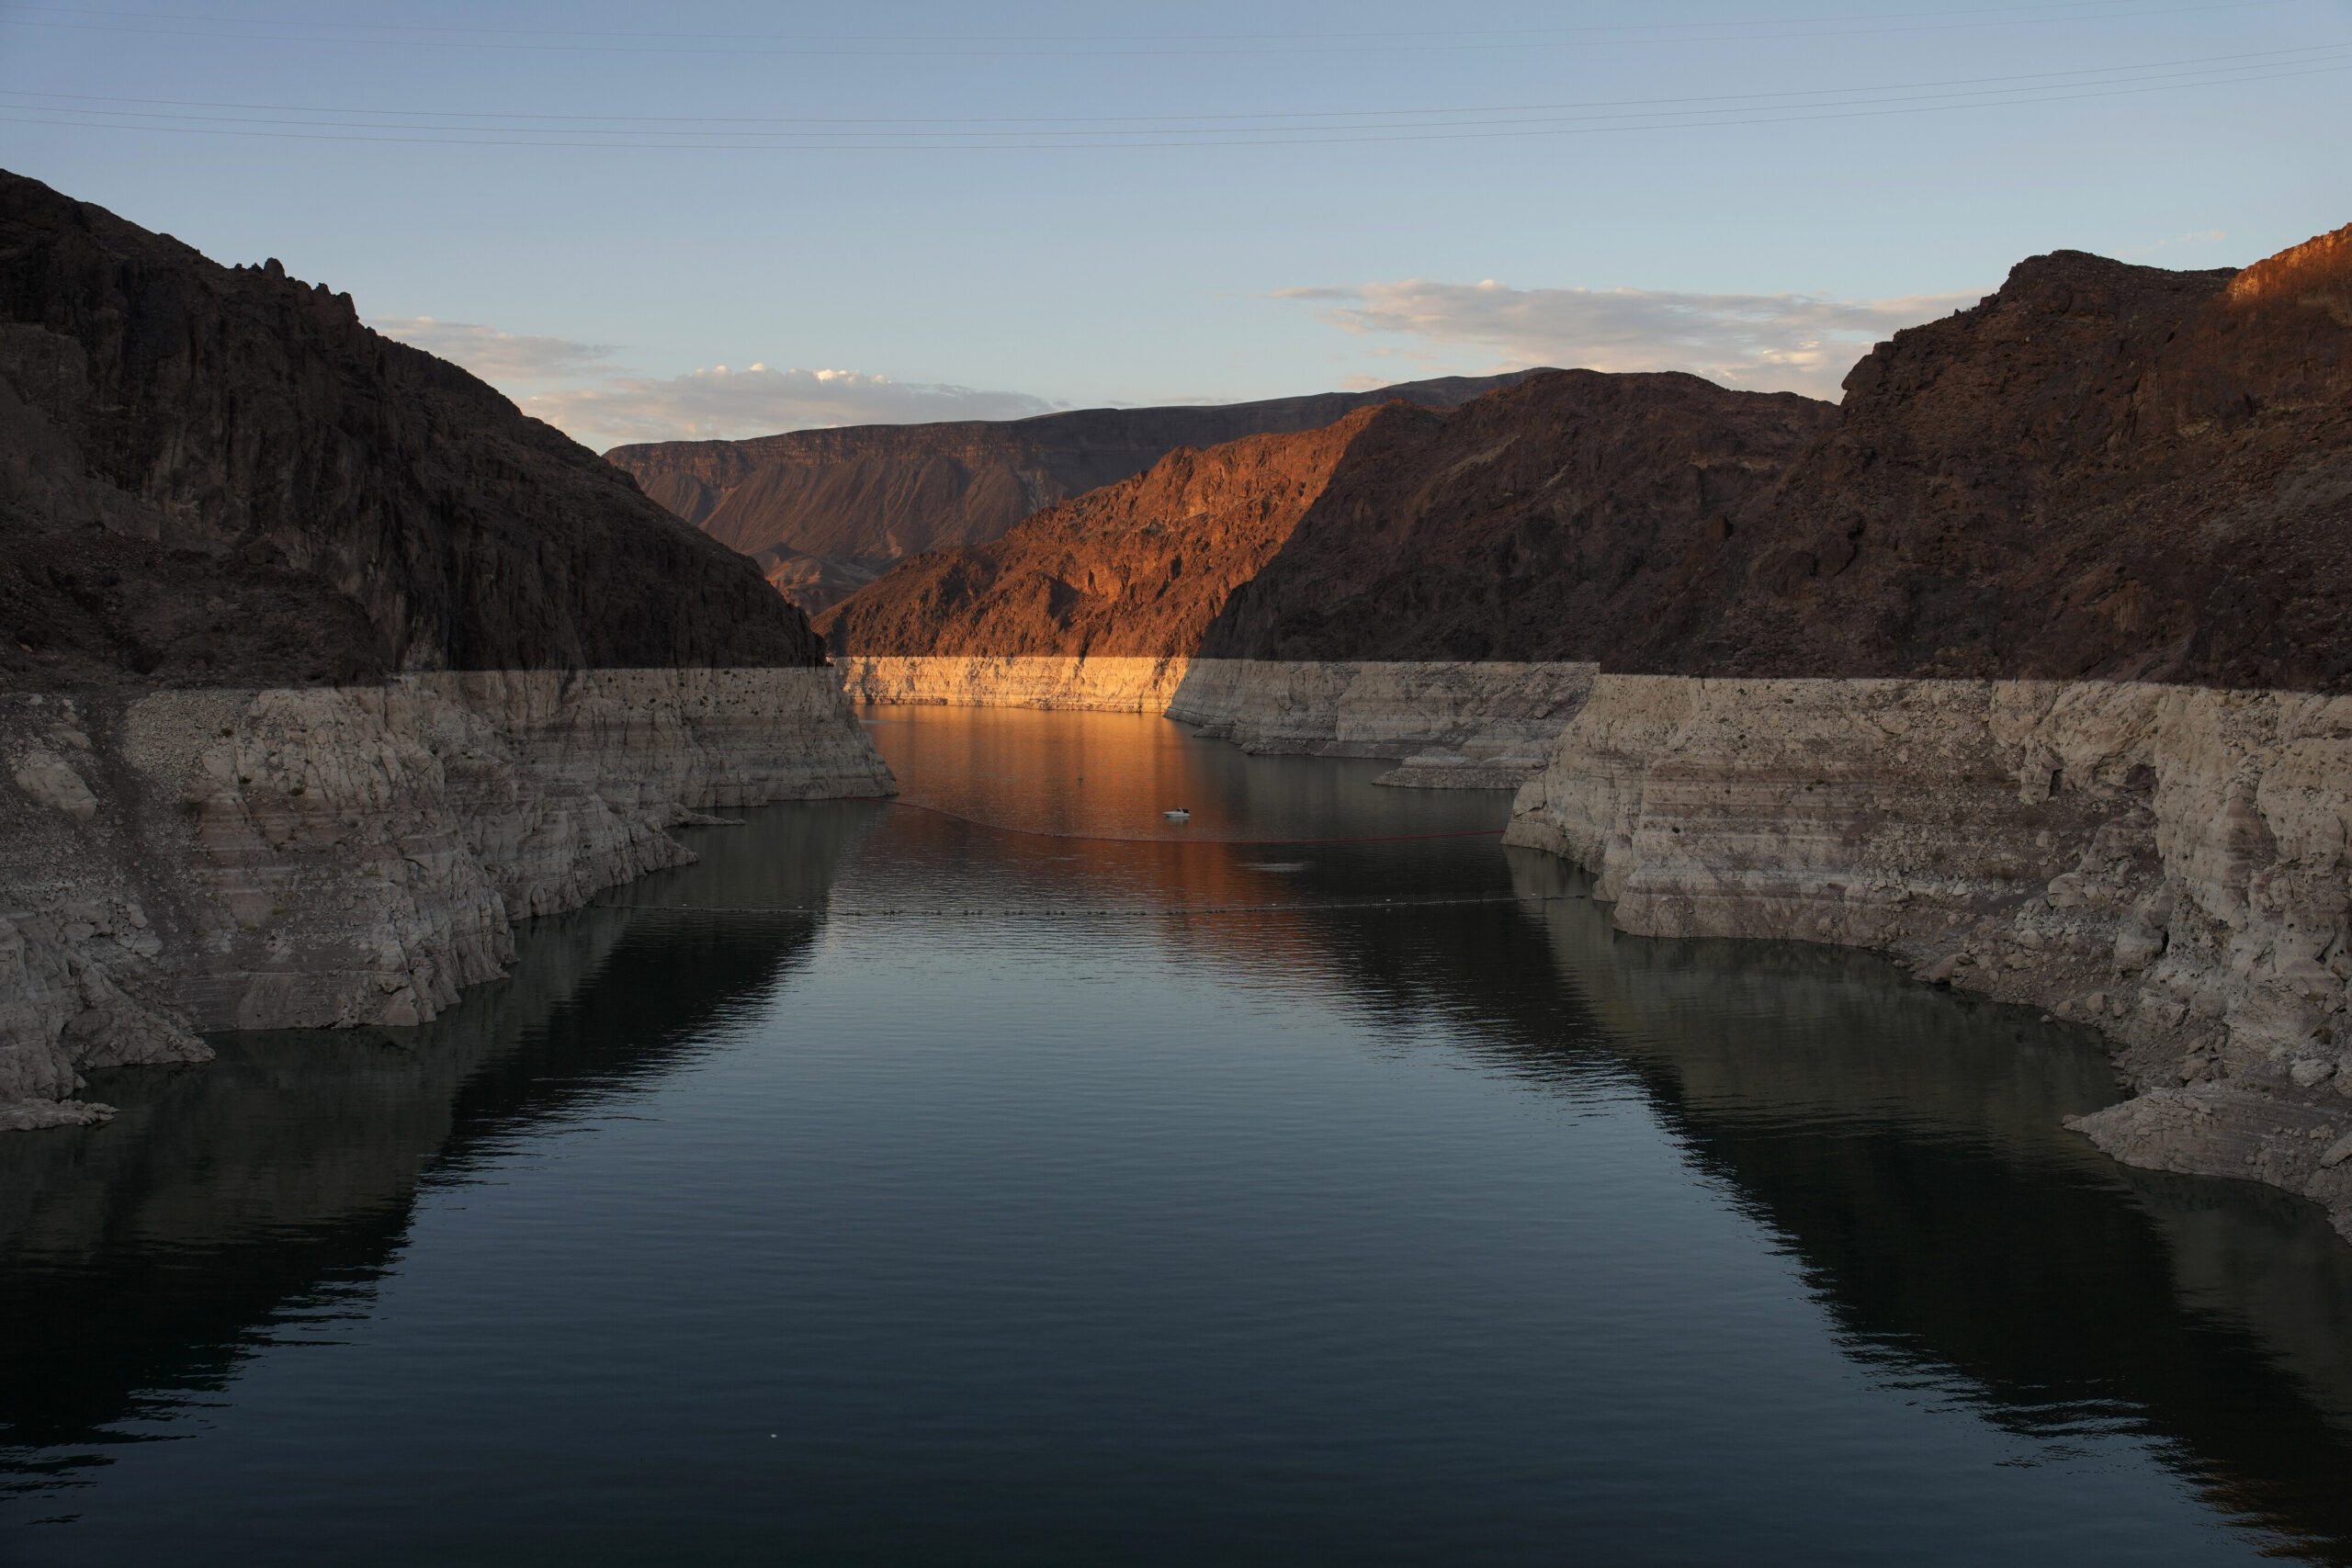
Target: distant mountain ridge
<point x="825" y="511"/>
<point x="1423" y="508"/>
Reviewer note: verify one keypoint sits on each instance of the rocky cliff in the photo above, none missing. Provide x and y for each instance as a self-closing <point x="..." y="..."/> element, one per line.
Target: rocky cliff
<point x="323" y="664"/>
<point x="2102" y="470"/>
<point x="829" y="505"/>
<point x="198" y="859"/>
<point x="216" y="475"/>
<point x="2171" y="865"/>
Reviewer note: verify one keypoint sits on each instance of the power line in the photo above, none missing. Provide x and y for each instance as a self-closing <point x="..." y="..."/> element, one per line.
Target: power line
<point x="2028" y="12"/>
<point x="882" y="46"/>
<point x="2227" y="65"/>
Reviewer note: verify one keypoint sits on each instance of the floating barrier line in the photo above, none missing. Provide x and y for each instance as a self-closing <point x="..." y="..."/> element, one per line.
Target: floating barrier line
<point x="1118" y="839"/>
<point x="1144" y="911"/>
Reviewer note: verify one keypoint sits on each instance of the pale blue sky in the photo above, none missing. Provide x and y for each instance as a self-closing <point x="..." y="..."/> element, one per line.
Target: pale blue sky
<point x="1713" y="157"/>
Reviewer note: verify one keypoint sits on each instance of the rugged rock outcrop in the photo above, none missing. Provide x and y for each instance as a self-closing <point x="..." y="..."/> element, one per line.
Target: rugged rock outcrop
<point x="1135" y="570"/>
<point x="2169" y="864"/>
<point x="1488" y="725"/>
<point x="215" y="475"/>
<point x="826" y="502"/>
<point x="1458" y="726"/>
<point x="195" y="859"/>
<point x="323" y="664"/>
<point x="2103" y="470"/>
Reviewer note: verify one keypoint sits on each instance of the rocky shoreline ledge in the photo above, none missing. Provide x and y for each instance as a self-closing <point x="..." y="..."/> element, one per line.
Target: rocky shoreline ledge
<point x="1448" y="724"/>
<point x="196" y="860"/>
<point x="2167" y="864"/>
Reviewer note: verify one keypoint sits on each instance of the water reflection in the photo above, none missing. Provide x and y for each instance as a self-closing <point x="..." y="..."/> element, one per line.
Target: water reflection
<point x="1902" y="1144"/>
<point x="1907" y="1142"/>
<point x="147" y="1259"/>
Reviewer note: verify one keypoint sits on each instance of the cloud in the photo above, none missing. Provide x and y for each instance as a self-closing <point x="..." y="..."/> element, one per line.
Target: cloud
<point x="1755" y="342"/>
<point x="2203" y="237"/>
<point x="501" y="359"/>
<point x="723" y="405"/>
<point x="581" y="389"/>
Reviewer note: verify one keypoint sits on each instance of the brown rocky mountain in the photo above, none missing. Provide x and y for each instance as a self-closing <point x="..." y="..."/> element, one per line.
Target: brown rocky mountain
<point x="1167" y="562"/>
<point x="859" y="498"/>
<point x="2102" y="469"/>
<point x="216" y="475"/>
<point x="1138" y="567"/>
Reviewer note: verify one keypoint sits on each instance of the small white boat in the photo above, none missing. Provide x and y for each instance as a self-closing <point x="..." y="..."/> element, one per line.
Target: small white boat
<point x="1179" y="815"/>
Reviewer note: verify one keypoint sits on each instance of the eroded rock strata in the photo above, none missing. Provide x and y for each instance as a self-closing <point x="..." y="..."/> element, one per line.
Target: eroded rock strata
<point x="195" y="859"/>
<point x="1459" y="725"/>
<point x="1452" y="725"/>
<point x="2169" y="864"/>
<point x="322" y="663"/>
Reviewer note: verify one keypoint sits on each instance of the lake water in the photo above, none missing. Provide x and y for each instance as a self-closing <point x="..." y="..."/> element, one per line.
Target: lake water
<point x="1068" y="1200"/>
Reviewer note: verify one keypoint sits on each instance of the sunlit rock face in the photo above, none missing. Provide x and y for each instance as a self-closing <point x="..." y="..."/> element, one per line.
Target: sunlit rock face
<point x="2168" y="864"/>
<point x="1453" y="724"/>
<point x="860" y="498"/>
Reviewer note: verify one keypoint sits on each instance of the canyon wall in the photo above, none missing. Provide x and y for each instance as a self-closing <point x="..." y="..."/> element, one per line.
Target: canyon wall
<point x="2171" y="865"/>
<point x="1454" y="725"/>
<point x="1106" y="685"/>
<point x="320" y="663"/>
<point x="196" y="860"/>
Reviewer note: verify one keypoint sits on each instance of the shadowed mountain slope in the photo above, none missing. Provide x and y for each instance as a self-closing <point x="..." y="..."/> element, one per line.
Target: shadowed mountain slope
<point x="216" y="475"/>
<point x="2102" y="470"/>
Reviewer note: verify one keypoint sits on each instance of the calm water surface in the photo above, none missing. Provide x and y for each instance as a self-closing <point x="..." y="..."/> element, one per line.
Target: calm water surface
<point x="1173" y="1200"/>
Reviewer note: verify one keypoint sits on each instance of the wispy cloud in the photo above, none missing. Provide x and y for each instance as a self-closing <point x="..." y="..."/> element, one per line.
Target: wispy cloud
<point x="583" y="390"/>
<point x="723" y="405"/>
<point x="1757" y="342"/>
<point x="2201" y="237"/>
<point x="501" y="359"/>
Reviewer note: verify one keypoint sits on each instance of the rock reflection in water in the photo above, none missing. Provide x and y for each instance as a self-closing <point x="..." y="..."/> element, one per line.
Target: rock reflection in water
<point x="148" y="1259"/>
<point x="1906" y="1141"/>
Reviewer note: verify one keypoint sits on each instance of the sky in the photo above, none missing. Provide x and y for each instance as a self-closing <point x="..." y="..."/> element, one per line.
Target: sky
<point x="705" y="218"/>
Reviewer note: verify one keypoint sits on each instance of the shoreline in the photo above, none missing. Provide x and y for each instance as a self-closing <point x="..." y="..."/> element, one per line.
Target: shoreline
<point x="2167" y="864"/>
